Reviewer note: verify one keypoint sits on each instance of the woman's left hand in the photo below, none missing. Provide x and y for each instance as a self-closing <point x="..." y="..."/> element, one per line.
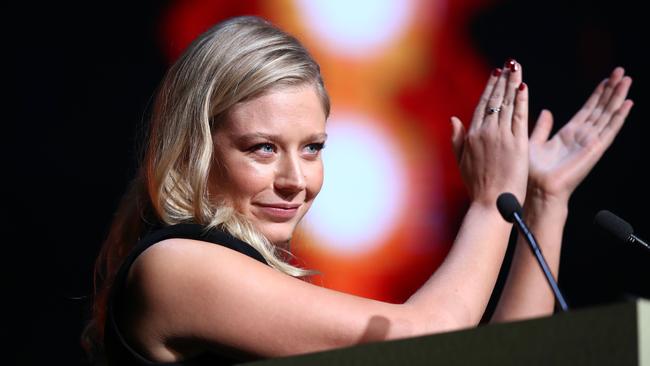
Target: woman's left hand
<point x="558" y="165"/>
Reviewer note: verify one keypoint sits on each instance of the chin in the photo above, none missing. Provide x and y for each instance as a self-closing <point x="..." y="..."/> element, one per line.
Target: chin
<point x="278" y="234"/>
<point x="279" y="240"/>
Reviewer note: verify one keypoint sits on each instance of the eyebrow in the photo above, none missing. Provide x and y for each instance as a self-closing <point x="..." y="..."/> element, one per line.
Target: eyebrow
<point x="260" y="135"/>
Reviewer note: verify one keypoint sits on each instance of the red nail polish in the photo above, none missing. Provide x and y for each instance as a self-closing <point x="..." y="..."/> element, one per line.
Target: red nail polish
<point x="522" y="86"/>
<point x="513" y="65"/>
<point x="496" y="72"/>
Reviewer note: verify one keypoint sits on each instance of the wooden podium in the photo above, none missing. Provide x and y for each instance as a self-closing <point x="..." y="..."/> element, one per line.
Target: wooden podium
<point x="617" y="334"/>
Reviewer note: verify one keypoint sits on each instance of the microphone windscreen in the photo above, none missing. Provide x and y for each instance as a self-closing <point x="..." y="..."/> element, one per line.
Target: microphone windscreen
<point x="507" y="204"/>
<point x="614" y="224"/>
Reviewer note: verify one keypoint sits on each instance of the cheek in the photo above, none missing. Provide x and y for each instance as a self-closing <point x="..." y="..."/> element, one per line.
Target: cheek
<point x="314" y="178"/>
<point x="245" y="179"/>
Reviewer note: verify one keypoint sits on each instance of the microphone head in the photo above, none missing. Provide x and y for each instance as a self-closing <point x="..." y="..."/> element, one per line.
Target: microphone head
<point x="614" y="224"/>
<point x="507" y="204"/>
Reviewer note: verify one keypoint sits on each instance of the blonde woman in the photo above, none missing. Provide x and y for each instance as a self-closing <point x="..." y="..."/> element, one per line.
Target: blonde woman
<point x="194" y="269"/>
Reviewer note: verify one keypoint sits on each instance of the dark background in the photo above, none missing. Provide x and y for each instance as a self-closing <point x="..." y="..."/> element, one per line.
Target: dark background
<point x="81" y="78"/>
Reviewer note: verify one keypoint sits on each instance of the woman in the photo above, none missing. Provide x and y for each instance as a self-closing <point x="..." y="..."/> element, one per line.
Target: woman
<point x="233" y="159"/>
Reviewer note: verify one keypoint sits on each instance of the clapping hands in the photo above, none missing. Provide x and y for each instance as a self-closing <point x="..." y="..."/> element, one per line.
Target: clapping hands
<point x="490" y="153"/>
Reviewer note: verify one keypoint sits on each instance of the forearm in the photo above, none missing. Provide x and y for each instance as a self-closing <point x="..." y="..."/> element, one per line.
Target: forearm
<point x="526" y="293"/>
<point x="461" y="287"/>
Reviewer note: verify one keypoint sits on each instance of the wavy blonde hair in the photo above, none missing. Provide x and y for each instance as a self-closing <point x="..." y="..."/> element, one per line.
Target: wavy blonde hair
<point x="237" y="60"/>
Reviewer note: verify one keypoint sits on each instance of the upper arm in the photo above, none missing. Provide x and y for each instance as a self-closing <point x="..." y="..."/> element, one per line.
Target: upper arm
<point x="189" y="289"/>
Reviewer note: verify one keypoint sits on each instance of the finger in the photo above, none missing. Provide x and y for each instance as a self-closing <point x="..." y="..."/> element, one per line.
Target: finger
<point x="543" y="127"/>
<point x="610" y="130"/>
<point x="520" y="116"/>
<point x="496" y="98"/>
<point x="613" y="81"/>
<point x="507" y="106"/>
<point x="615" y="102"/>
<point x="457" y="137"/>
<point x="479" y="112"/>
<point x="591" y="103"/>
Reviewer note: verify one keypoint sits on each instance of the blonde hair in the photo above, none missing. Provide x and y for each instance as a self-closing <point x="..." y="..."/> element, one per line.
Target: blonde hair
<point x="235" y="61"/>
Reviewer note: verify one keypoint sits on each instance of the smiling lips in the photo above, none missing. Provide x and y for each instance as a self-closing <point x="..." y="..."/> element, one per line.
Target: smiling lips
<point x="279" y="211"/>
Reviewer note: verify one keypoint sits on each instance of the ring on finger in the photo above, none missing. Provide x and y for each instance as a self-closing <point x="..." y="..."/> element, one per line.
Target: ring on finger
<point x="492" y="110"/>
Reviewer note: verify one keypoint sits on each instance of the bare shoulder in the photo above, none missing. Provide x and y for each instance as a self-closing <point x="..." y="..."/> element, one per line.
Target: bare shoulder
<point x="188" y="289"/>
<point x="173" y="255"/>
<point x="195" y="269"/>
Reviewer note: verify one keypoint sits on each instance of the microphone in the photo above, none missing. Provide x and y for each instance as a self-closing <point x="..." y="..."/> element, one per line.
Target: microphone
<point x="511" y="211"/>
<point x="618" y="227"/>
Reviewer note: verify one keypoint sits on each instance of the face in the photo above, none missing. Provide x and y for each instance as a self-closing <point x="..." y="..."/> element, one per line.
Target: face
<point x="269" y="153"/>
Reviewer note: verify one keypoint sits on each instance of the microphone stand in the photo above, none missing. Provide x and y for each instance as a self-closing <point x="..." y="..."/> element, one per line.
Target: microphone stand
<point x="540" y="259"/>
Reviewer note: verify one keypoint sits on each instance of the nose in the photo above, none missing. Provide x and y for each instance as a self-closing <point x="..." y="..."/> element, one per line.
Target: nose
<point x="290" y="176"/>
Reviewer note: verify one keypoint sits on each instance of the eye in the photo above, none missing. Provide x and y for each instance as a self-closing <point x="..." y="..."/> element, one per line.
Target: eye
<point x="315" y="147"/>
<point x="263" y="148"/>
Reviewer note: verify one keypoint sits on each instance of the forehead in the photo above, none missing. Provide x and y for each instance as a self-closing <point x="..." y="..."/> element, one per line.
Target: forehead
<point x="281" y="110"/>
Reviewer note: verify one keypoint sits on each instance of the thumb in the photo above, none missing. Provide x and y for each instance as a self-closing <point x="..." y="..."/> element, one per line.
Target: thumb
<point x="457" y="137"/>
<point x="543" y="127"/>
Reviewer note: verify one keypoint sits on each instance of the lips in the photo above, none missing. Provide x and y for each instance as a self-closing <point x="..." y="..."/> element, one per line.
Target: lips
<point x="278" y="212"/>
<point x="282" y="205"/>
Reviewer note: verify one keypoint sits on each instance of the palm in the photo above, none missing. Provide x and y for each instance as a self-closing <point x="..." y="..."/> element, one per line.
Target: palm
<point x="559" y="164"/>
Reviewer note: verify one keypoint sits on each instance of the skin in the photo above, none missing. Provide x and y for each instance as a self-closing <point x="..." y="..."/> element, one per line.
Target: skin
<point x="557" y="166"/>
<point x="188" y="295"/>
<point x="270" y="155"/>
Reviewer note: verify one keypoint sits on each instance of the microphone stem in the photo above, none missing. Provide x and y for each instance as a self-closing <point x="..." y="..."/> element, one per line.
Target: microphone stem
<point x="538" y="255"/>
<point x="634" y="238"/>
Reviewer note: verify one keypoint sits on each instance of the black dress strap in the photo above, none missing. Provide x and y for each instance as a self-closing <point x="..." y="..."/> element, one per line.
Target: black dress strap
<point x="118" y="351"/>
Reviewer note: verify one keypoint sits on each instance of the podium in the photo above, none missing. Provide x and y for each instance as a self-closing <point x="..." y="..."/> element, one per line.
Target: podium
<point x="616" y="334"/>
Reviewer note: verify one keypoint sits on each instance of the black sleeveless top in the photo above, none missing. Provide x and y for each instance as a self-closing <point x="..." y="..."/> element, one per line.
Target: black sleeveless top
<point x="118" y="351"/>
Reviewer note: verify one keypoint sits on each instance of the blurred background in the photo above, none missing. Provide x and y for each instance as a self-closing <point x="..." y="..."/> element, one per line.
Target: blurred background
<point x="82" y="77"/>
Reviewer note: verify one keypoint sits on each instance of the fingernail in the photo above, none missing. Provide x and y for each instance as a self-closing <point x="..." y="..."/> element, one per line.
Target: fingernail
<point x="522" y="86"/>
<point x="512" y="64"/>
<point x="496" y="72"/>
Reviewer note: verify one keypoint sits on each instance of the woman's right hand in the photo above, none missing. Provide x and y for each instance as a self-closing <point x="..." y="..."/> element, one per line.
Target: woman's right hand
<point x="493" y="154"/>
